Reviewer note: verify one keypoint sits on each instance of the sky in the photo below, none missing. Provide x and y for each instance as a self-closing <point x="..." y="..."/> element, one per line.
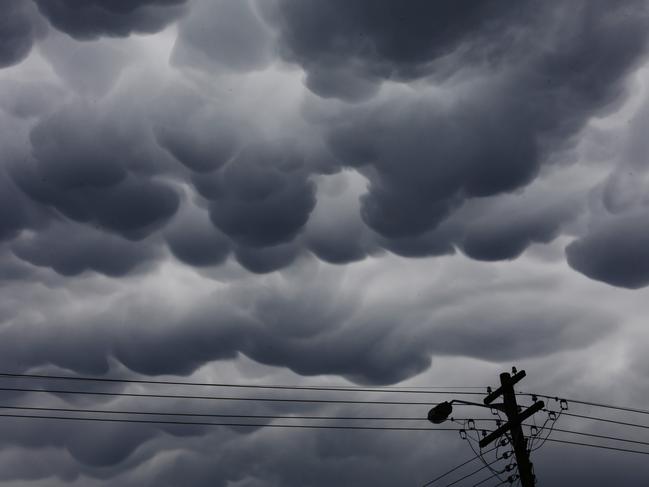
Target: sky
<point x="320" y="193"/>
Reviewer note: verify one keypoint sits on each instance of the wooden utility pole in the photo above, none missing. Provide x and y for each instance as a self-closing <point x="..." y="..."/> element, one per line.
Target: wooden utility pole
<point x="513" y="425"/>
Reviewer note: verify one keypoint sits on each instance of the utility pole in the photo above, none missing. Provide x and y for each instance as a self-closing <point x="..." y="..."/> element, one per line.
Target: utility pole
<point x="515" y="418"/>
<point x="514" y="424"/>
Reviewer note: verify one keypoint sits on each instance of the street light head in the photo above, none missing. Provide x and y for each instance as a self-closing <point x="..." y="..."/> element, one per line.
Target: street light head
<point x="440" y="413"/>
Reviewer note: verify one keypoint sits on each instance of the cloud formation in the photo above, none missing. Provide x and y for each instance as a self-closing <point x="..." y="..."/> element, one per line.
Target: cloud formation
<point x="301" y="191"/>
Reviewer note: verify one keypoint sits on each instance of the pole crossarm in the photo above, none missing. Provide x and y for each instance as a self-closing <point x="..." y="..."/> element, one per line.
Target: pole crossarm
<point x="511" y="424"/>
<point x="509" y="383"/>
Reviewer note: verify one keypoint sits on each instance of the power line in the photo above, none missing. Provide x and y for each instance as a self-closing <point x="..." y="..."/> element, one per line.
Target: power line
<point x="214" y="398"/>
<point x="489" y="478"/>
<point x="623" y="423"/>
<point x="596" y="404"/>
<point x="223" y="415"/>
<point x="213" y="415"/>
<point x="604" y="437"/>
<point x="597" y="446"/>
<point x="449" y="472"/>
<point x="248" y="386"/>
<point x="454" y="469"/>
<point x="472" y="473"/>
<point x="240" y="425"/>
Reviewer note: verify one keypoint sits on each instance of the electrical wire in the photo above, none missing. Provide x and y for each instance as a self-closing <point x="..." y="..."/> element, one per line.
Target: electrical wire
<point x="489" y="478"/>
<point x="605" y="420"/>
<point x="604" y="437"/>
<point x="589" y="403"/>
<point x="391" y="390"/>
<point x="430" y="482"/>
<point x="215" y="398"/>
<point x="453" y="469"/>
<point x="554" y="423"/>
<point x="598" y="446"/>
<point x="239" y="425"/>
<point x="479" y="454"/>
<point x="471" y="474"/>
<point x="212" y="415"/>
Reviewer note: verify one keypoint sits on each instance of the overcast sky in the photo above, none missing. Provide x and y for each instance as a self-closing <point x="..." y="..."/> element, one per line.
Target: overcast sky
<point x="320" y="192"/>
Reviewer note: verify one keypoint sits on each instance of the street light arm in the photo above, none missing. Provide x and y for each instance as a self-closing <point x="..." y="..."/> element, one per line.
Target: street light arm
<point x="499" y="407"/>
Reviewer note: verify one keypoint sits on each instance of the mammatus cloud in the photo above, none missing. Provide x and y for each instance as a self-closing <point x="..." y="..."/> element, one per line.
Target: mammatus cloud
<point x="16" y="32"/>
<point x="121" y="18"/>
<point x="485" y="128"/>
<point x="615" y="252"/>
<point x="263" y="191"/>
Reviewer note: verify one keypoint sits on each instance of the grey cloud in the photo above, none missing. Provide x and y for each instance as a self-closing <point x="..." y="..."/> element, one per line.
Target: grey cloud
<point x="88" y="167"/>
<point x="512" y="224"/>
<point x="96" y="18"/>
<point x="203" y="142"/>
<point x="89" y="68"/>
<point x="90" y="249"/>
<point x="265" y="197"/>
<point x="305" y="320"/>
<point x="16" y="214"/>
<point x="335" y="232"/>
<point x="17" y="31"/>
<point x="429" y="150"/>
<point x="266" y="259"/>
<point x="616" y="251"/>
<point x="348" y="48"/>
<point x="27" y="99"/>
<point x="221" y="34"/>
<point x="194" y="240"/>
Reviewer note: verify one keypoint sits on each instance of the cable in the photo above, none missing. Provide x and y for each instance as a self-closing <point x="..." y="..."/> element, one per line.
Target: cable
<point x="489" y="478"/>
<point x="246" y="386"/>
<point x="246" y="425"/>
<point x="471" y="474"/>
<point x="554" y="423"/>
<point x="479" y="454"/>
<point x="453" y="469"/>
<point x="449" y="472"/>
<point x="212" y="415"/>
<point x="604" y="437"/>
<point x="623" y="423"/>
<point x="215" y="398"/>
<point x="598" y="446"/>
<point x="596" y="404"/>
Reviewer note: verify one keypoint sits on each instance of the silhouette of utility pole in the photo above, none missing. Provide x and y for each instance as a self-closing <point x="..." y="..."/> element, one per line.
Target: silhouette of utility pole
<point x="515" y="418"/>
<point x="513" y="425"/>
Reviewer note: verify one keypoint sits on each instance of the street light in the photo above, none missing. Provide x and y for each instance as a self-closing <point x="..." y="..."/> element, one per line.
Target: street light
<point x="441" y="412"/>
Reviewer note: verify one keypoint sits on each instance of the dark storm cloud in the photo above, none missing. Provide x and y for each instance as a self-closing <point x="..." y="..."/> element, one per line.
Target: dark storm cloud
<point x="89" y="68"/>
<point x="511" y="224"/>
<point x="91" y="19"/>
<point x="266" y="259"/>
<point x="613" y="249"/>
<point x="220" y="34"/>
<point x="263" y="197"/>
<point x="425" y="128"/>
<point x="302" y="319"/>
<point x="348" y="48"/>
<point x="616" y="251"/>
<point x="87" y="167"/>
<point x="482" y="123"/>
<point x="202" y="141"/>
<point x="428" y="151"/>
<point x="25" y="99"/>
<point x="17" y="31"/>
<point x="193" y="239"/>
<point x="89" y="250"/>
<point x="16" y="214"/>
